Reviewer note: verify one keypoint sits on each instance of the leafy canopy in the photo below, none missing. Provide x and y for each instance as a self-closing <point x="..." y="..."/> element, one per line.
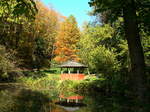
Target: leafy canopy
<point x="66" y="41"/>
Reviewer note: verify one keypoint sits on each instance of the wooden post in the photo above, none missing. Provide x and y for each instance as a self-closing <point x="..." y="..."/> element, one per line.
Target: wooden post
<point x="76" y="100"/>
<point x="69" y="71"/>
<point x="61" y="72"/>
<point x="88" y="71"/>
<point x="68" y="100"/>
<point x="78" y="71"/>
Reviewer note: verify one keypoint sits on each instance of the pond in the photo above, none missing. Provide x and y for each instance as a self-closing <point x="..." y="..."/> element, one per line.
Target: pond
<point x="15" y="98"/>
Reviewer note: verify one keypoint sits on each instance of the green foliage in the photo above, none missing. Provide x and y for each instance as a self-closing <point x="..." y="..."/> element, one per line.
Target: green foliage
<point x="90" y="85"/>
<point x="35" y="74"/>
<point x="103" y="60"/>
<point x="123" y="54"/>
<point x="7" y="65"/>
<point x="40" y="83"/>
<point x="135" y="12"/>
<point x="53" y="83"/>
<point x="96" y="52"/>
<point x="112" y="9"/>
<point x="146" y="46"/>
<point x="14" y="8"/>
<point x="40" y="58"/>
<point x="66" y="85"/>
<point x="13" y="15"/>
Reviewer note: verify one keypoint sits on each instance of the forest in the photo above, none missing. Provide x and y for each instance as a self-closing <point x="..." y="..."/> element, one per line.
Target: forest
<point x="115" y="46"/>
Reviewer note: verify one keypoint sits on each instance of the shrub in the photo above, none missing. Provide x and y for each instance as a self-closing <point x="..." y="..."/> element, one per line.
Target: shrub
<point x="8" y="69"/>
<point x="42" y="83"/>
<point x="90" y="84"/>
<point x="35" y="74"/>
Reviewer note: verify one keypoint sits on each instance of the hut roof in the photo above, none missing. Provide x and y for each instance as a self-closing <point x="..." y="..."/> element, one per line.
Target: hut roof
<point x="72" y="64"/>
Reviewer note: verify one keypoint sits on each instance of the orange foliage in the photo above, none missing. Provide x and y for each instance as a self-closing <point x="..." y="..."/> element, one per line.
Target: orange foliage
<point x="46" y="19"/>
<point x="46" y="25"/>
<point x="67" y="38"/>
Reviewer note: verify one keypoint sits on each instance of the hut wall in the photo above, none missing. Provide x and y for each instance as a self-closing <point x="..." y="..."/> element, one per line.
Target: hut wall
<point x="72" y="76"/>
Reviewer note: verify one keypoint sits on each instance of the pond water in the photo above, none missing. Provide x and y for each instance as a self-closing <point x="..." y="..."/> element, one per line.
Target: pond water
<point x="18" y="99"/>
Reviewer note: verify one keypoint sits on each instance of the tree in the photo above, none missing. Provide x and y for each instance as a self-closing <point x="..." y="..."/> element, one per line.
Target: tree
<point x="66" y="41"/>
<point x="13" y="14"/>
<point x="17" y="8"/>
<point x="7" y="64"/>
<point x="40" y="53"/>
<point x="24" y="30"/>
<point x="45" y="31"/>
<point x="37" y="38"/>
<point x="128" y="9"/>
<point x="95" y="50"/>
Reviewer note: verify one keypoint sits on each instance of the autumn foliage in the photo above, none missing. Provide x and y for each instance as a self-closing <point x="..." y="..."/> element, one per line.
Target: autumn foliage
<point x="66" y="41"/>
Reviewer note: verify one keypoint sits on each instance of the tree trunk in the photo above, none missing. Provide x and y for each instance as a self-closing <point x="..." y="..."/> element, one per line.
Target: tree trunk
<point x="138" y="77"/>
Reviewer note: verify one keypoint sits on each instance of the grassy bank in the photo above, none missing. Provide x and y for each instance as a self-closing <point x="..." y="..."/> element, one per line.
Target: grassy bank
<point x="43" y="83"/>
<point x="52" y="82"/>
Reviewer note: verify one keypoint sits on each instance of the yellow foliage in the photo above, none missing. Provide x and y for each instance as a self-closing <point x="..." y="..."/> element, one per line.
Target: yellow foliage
<point x="67" y="38"/>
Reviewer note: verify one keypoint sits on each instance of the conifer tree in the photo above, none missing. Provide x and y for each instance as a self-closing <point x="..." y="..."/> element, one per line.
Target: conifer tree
<point x="66" y="41"/>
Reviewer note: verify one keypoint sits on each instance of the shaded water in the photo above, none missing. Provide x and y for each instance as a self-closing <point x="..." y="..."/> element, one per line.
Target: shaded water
<point x="14" y="98"/>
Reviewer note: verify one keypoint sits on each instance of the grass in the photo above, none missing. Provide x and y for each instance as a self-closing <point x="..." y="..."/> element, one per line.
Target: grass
<point x="52" y="82"/>
<point x="47" y="82"/>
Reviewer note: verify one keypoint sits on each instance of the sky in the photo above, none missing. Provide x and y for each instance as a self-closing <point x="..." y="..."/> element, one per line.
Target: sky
<point x="78" y="8"/>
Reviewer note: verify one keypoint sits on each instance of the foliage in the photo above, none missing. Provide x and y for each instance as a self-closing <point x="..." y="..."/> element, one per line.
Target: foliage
<point x="96" y="52"/>
<point x="133" y="12"/>
<point x="66" y="41"/>
<point x="7" y="65"/>
<point x="146" y="46"/>
<point x="53" y="83"/>
<point x="110" y="10"/>
<point x="40" y="53"/>
<point x="34" y="74"/>
<point x="13" y="13"/>
<point x="39" y="38"/>
<point x="45" y="82"/>
<point x="49" y="82"/>
<point x="90" y="85"/>
<point x="15" y="8"/>
<point x="33" y="39"/>
<point x="46" y="31"/>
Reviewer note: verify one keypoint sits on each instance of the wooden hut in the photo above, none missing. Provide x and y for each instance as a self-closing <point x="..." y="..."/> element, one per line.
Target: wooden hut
<point x="75" y="66"/>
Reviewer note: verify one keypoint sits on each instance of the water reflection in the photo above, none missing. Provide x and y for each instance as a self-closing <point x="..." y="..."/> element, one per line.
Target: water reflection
<point x="55" y="108"/>
<point x="15" y="99"/>
<point x="70" y="103"/>
<point x="23" y="100"/>
<point x="71" y="99"/>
